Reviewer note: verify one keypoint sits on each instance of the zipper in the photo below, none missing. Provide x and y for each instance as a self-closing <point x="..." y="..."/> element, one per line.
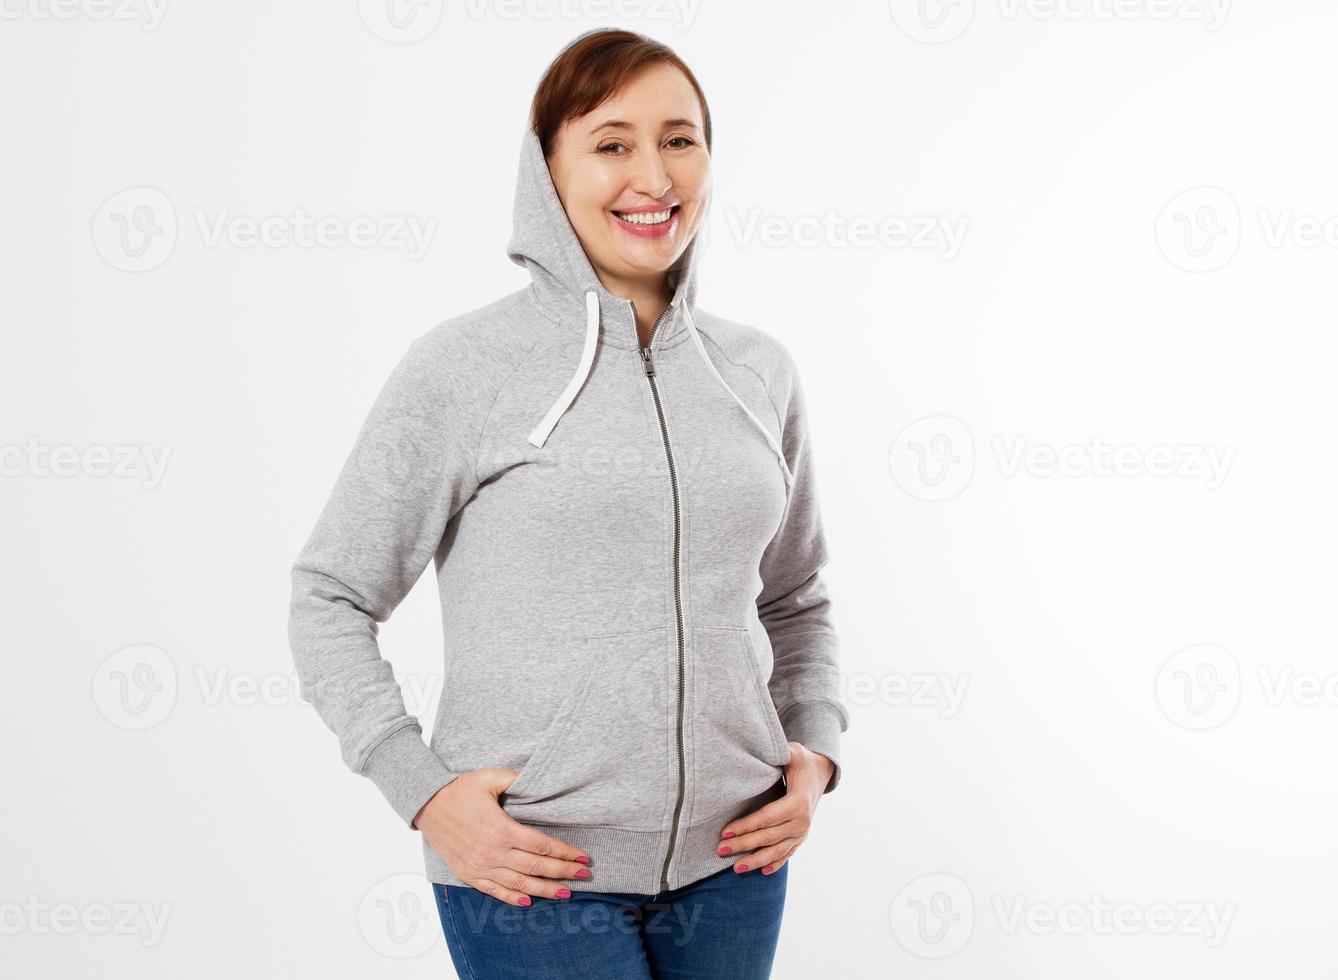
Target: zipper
<point x="649" y="364"/>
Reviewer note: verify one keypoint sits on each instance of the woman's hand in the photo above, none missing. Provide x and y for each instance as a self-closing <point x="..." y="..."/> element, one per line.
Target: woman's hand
<point x="772" y="832"/>
<point x="488" y="849"/>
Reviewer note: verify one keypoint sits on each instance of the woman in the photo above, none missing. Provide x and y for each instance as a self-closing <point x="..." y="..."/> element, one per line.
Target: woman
<point x="639" y="708"/>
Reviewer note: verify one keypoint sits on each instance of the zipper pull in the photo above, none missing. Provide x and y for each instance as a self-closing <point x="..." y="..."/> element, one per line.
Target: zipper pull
<point x="647" y="362"/>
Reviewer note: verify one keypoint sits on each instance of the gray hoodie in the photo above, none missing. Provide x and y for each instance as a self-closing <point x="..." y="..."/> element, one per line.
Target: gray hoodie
<point x="628" y="551"/>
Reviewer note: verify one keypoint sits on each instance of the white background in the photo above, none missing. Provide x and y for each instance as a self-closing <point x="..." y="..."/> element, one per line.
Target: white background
<point x="1068" y="685"/>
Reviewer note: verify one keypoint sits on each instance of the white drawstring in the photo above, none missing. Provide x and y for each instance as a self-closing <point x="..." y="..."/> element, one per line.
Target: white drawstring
<point x="540" y="434"/>
<point x="541" y="431"/>
<point x="701" y="349"/>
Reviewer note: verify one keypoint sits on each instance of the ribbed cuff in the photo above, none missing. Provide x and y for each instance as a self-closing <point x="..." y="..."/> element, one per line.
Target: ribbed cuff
<point x="406" y="771"/>
<point x="817" y="726"/>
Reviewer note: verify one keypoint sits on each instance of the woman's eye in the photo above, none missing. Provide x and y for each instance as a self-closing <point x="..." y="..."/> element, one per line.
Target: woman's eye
<point x="683" y="143"/>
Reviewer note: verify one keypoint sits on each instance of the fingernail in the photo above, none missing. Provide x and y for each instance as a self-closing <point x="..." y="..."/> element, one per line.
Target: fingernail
<point x="524" y="900"/>
<point x="583" y="873"/>
<point x="727" y="835"/>
<point x="564" y="893"/>
<point x="768" y="869"/>
<point x="583" y="859"/>
<point x="740" y="868"/>
<point x="725" y="850"/>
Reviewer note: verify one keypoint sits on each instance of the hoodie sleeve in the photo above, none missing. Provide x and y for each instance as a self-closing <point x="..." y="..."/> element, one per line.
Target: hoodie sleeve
<point x="794" y="604"/>
<point x="410" y="470"/>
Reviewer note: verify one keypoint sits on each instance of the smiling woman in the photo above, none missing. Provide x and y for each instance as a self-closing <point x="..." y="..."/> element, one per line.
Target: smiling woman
<point x="639" y="707"/>
<point x="632" y="169"/>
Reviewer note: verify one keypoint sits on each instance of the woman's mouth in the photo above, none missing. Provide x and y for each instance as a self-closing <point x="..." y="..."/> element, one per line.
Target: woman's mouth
<point x="649" y="224"/>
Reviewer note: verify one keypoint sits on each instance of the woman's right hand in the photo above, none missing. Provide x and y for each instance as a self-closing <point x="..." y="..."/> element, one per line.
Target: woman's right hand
<point x="491" y="851"/>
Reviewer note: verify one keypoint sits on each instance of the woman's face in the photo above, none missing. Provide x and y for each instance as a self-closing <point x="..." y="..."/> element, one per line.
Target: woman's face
<point x="643" y="151"/>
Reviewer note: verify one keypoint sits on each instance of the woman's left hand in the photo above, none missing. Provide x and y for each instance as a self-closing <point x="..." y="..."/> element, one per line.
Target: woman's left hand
<point x="768" y="836"/>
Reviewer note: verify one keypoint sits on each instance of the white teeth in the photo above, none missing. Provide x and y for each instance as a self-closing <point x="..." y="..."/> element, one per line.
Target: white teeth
<point x="646" y="217"/>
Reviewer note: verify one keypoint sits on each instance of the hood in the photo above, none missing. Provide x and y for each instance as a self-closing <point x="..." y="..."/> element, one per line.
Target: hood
<point x="544" y="242"/>
<point x="565" y="285"/>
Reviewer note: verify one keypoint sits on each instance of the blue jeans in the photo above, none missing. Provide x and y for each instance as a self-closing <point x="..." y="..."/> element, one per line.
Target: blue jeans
<point x="723" y="927"/>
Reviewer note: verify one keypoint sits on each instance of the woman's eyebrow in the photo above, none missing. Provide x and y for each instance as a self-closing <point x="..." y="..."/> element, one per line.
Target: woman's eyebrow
<point x="621" y="124"/>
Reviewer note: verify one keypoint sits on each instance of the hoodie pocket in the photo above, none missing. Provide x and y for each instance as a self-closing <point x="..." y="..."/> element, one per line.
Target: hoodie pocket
<point x="739" y="741"/>
<point x="603" y="759"/>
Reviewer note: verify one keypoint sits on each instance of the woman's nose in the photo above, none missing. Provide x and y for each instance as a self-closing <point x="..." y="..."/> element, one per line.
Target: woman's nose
<point x="651" y="177"/>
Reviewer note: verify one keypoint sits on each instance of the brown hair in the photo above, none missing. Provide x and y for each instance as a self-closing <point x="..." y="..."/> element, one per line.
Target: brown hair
<point x="593" y="67"/>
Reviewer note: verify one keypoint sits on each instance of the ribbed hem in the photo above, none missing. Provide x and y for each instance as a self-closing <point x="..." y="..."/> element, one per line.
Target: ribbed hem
<point x="406" y="771"/>
<point x="817" y="726"/>
<point x="629" y="860"/>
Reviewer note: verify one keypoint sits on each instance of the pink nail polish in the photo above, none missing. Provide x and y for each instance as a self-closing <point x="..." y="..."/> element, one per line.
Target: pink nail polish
<point x="768" y="869"/>
<point x="725" y="850"/>
<point x="740" y="868"/>
<point x="524" y="900"/>
<point x="583" y="859"/>
<point x="564" y="893"/>
<point x="583" y="873"/>
<point x="728" y="834"/>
